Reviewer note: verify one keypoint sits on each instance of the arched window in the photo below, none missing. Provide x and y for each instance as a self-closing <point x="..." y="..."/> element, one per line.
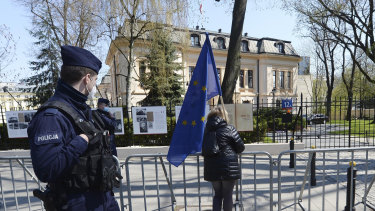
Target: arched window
<point x="244" y="46"/>
<point x="194" y="38"/>
<point x="220" y="43"/>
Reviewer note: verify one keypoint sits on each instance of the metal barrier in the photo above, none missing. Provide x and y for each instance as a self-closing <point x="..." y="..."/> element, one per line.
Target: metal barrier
<point x="153" y="184"/>
<point x="17" y="182"/>
<point x="150" y="187"/>
<point x="333" y="173"/>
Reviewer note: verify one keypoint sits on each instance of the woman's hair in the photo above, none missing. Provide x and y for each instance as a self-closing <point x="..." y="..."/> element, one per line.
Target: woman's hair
<point x="72" y="74"/>
<point x="218" y="111"/>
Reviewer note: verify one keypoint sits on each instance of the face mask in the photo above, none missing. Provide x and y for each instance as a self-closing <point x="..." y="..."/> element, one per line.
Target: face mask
<point x="106" y="109"/>
<point x="92" y="93"/>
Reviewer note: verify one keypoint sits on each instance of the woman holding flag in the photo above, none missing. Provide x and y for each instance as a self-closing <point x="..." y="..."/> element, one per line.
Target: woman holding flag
<point x="221" y="167"/>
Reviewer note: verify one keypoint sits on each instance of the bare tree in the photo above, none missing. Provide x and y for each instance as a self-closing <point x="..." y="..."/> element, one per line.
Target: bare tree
<point x="355" y="16"/>
<point x="7" y="48"/>
<point x="57" y="23"/>
<point x="71" y="22"/>
<point x="132" y="20"/>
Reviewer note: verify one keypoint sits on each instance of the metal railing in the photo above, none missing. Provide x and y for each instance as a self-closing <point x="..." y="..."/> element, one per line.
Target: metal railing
<point x="184" y="187"/>
<point x="328" y="188"/>
<point x="17" y="182"/>
<point x="153" y="184"/>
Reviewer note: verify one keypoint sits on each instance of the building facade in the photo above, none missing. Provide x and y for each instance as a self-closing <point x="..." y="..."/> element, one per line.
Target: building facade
<point x="269" y="67"/>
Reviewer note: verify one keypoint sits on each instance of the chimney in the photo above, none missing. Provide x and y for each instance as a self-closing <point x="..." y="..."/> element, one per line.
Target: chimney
<point x="196" y="27"/>
<point x="219" y="30"/>
<point x="245" y="34"/>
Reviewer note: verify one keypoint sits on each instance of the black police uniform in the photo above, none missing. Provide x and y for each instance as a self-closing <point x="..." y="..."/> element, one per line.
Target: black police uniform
<point x="55" y="145"/>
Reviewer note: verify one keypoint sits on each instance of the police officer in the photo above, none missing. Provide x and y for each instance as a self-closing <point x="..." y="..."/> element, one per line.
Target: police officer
<point x="109" y="121"/>
<point x="57" y="145"/>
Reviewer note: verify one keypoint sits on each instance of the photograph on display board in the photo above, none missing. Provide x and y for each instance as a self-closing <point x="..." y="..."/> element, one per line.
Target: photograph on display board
<point x="149" y="120"/>
<point x="117" y="113"/>
<point x="18" y="121"/>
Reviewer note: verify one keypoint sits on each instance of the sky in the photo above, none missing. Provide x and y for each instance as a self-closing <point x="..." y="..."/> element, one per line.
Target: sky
<point x="263" y="19"/>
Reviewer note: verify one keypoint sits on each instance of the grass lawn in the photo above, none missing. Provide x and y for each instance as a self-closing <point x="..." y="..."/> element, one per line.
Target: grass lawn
<point x="358" y="127"/>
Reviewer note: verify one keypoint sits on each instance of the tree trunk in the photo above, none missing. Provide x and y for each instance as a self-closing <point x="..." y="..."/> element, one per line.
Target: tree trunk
<point x="233" y="63"/>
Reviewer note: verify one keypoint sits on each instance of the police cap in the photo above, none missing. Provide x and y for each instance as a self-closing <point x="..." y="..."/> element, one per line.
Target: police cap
<point x="75" y="56"/>
<point x="103" y="100"/>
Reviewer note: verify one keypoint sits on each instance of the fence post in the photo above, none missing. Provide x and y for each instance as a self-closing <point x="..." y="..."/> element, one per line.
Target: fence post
<point x="312" y="175"/>
<point x="291" y="145"/>
<point x="350" y="186"/>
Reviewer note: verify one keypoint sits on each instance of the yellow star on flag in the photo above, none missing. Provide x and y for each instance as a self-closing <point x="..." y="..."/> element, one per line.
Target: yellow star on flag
<point x="202" y="119"/>
<point x="195" y="83"/>
<point x="204" y="88"/>
<point x="184" y="122"/>
<point x="193" y="123"/>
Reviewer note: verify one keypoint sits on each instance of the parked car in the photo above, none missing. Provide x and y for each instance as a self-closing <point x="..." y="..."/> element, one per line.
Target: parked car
<point x="13" y="120"/>
<point x="317" y="119"/>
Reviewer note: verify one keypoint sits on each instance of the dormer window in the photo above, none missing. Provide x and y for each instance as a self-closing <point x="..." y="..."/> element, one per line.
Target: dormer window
<point x="220" y="43"/>
<point x="244" y="46"/>
<point x="280" y="47"/>
<point x="194" y="38"/>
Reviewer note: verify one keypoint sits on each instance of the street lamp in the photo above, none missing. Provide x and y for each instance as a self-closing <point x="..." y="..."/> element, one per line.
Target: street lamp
<point x="5" y="89"/>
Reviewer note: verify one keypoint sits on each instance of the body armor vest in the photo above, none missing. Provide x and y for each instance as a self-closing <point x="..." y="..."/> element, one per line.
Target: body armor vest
<point x="96" y="169"/>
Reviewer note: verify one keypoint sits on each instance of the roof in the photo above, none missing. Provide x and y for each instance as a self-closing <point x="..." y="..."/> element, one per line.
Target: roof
<point x="265" y="45"/>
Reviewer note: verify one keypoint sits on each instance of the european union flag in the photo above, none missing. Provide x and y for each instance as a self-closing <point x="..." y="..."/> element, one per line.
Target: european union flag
<point x="204" y="84"/>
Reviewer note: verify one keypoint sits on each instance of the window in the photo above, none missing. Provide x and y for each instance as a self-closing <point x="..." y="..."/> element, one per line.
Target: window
<point x="191" y="70"/>
<point x="280" y="47"/>
<point x="274" y="79"/>
<point x="142" y="72"/>
<point x="194" y="38"/>
<point x="289" y="82"/>
<point x="220" y="43"/>
<point x="250" y="78"/>
<point x="281" y="74"/>
<point x="244" y="46"/>
<point x="241" y="79"/>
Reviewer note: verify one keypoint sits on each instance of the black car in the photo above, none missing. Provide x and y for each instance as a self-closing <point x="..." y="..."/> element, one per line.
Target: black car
<point x="317" y="119"/>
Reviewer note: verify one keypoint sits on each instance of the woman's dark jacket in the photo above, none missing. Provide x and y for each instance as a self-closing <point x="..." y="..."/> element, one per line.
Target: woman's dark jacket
<point x="224" y="165"/>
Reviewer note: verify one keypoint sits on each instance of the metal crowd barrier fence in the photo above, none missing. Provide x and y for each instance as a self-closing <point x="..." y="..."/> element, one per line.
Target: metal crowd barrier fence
<point x="153" y="184"/>
<point x="17" y="182"/>
<point x="331" y="191"/>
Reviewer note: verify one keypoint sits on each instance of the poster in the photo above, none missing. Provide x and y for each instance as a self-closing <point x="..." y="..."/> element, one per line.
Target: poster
<point x="149" y="120"/>
<point x="117" y="113"/>
<point x="241" y="116"/>
<point x="178" y="110"/>
<point x="17" y="123"/>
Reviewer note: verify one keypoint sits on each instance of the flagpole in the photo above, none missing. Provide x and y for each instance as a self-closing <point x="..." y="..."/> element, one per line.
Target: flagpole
<point x="222" y="104"/>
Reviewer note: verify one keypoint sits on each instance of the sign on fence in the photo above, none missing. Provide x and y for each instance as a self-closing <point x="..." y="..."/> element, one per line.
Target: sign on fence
<point x="241" y="116"/>
<point x="286" y="103"/>
<point x="118" y="114"/>
<point x="149" y="120"/>
<point x="17" y="123"/>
